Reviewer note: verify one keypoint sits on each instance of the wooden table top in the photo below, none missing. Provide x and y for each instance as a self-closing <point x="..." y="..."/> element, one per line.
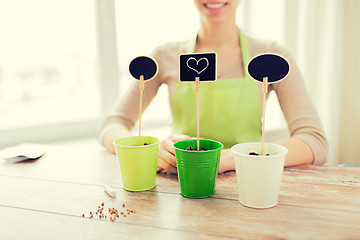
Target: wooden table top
<point x="46" y="198"/>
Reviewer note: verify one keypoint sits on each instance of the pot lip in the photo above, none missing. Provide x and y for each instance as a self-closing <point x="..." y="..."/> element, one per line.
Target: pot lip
<point x="135" y="146"/>
<point x="285" y="150"/>
<point x="199" y="152"/>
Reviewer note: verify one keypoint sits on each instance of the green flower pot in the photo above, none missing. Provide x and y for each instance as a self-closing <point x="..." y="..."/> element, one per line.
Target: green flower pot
<point x="137" y="163"/>
<point x="197" y="170"/>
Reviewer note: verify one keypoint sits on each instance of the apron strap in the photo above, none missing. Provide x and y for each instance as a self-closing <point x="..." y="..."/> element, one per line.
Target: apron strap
<point x="245" y="51"/>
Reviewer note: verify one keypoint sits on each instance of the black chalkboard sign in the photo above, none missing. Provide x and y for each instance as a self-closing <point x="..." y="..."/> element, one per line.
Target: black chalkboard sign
<point x="270" y="65"/>
<point x="145" y="66"/>
<point x="201" y="65"/>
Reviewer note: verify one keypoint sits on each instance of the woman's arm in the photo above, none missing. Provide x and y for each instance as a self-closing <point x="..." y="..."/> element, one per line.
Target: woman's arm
<point x="299" y="153"/>
<point x="125" y="112"/>
<point x="304" y="125"/>
<point x="112" y="132"/>
<point x="307" y="142"/>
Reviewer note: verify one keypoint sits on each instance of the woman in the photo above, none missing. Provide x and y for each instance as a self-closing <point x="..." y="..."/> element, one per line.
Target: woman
<point x="233" y="102"/>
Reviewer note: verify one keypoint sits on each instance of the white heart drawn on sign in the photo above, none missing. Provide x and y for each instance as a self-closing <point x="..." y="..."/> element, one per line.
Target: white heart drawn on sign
<point x="197" y="63"/>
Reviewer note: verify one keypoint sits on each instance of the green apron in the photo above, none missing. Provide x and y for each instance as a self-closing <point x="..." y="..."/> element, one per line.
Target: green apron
<point x="229" y="109"/>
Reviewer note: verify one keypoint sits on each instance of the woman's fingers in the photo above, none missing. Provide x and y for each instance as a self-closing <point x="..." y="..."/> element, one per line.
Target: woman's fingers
<point x="168" y="143"/>
<point x="165" y="166"/>
<point x="178" y="137"/>
<point x="167" y="160"/>
<point x="167" y="156"/>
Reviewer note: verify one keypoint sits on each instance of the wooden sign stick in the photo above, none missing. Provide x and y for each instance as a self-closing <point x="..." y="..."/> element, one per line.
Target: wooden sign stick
<point x="197" y="82"/>
<point x="141" y="87"/>
<point x="275" y="68"/>
<point x="265" y="89"/>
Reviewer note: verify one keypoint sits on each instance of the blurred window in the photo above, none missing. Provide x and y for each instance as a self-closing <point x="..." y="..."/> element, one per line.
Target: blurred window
<point x="48" y="71"/>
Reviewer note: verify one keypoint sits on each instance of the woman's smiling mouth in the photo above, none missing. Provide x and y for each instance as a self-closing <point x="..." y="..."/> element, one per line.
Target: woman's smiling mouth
<point x="215" y="5"/>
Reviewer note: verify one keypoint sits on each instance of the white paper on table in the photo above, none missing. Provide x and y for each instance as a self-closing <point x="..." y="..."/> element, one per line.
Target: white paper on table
<point x="22" y="152"/>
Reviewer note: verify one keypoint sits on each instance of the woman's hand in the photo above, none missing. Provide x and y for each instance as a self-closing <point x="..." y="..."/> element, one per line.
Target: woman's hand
<point x="167" y="161"/>
<point x="226" y="161"/>
<point x="166" y="158"/>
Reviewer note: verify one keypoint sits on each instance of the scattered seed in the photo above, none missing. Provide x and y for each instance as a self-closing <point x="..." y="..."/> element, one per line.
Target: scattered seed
<point x="114" y="213"/>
